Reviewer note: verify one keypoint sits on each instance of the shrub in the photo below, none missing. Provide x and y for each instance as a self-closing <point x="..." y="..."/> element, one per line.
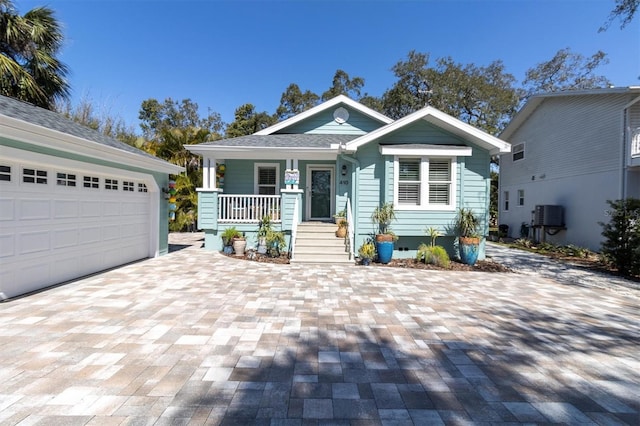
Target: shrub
<point x="622" y="236"/>
<point x="433" y="255"/>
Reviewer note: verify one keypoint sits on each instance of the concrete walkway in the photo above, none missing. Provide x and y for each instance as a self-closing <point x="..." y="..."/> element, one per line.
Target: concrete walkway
<point x="198" y="338"/>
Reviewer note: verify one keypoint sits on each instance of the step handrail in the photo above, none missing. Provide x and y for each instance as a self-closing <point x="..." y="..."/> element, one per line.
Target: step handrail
<point x="350" y="234"/>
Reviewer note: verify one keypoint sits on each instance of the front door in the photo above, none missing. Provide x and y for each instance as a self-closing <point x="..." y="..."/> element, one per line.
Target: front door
<point x="320" y="192"/>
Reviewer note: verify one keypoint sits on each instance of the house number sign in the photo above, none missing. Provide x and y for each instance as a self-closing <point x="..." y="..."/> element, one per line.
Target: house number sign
<point x="292" y="177"/>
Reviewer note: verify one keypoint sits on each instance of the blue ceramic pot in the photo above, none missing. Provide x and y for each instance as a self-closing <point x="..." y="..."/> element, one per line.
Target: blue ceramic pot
<point x="385" y="251"/>
<point x="468" y="249"/>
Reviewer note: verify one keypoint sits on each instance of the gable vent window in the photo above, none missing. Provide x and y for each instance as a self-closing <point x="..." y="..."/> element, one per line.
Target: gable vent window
<point x="34" y="176"/>
<point x="91" y="182"/>
<point x="111" y="184"/>
<point x="65" y="179"/>
<point x="424" y="183"/>
<point x="142" y="187"/>
<point x="518" y="152"/>
<point x="267" y="179"/>
<point x="5" y="173"/>
<point x="127" y="186"/>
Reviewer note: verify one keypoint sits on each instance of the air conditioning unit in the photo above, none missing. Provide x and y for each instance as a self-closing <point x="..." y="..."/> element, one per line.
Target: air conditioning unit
<point x="547" y="215"/>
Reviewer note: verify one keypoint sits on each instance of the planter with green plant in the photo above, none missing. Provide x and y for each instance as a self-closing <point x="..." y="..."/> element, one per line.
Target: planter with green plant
<point x="263" y="231"/>
<point x="342" y="214"/>
<point x="343" y="226"/>
<point x="382" y="216"/>
<point x="228" y="235"/>
<point x="367" y="251"/>
<point x="467" y="226"/>
<point x="275" y="243"/>
<point x="239" y="244"/>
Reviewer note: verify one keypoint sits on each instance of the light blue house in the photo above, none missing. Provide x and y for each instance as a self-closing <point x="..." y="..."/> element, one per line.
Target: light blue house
<point x="341" y="155"/>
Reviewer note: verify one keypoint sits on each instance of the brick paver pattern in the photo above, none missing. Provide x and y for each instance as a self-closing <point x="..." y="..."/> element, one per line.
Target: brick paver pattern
<point x="198" y="338"/>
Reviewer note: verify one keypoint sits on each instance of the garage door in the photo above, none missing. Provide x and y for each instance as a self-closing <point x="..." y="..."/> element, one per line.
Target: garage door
<point x="61" y="222"/>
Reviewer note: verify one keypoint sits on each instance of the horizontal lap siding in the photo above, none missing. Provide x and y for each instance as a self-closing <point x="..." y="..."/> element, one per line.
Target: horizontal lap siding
<point x="239" y="175"/>
<point x="357" y="124"/>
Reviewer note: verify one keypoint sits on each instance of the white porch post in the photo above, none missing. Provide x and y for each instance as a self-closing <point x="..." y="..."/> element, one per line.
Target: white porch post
<point x="209" y="173"/>
<point x="295" y="167"/>
<point x="288" y="167"/>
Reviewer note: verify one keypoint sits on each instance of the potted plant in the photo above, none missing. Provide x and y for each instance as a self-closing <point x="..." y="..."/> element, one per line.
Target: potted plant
<point x="263" y="231"/>
<point x="239" y="244"/>
<point x="366" y="252"/>
<point x="275" y="242"/>
<point x="383" y="216"/>
<point x="339" y="216"/>
<point x="467" y="227"/>
<point x="227" y="239"/>
<point x="342" y="228"/>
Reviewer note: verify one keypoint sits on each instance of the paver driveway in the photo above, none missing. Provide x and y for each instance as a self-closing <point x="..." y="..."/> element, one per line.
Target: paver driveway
<point x="197" y="338"/>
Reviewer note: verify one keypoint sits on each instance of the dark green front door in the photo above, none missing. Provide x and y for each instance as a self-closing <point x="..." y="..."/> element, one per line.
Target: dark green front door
<point x="321" y="189"/>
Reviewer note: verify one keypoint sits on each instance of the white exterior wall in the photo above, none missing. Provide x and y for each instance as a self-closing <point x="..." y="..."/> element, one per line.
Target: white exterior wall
<point x="573" y="157"/>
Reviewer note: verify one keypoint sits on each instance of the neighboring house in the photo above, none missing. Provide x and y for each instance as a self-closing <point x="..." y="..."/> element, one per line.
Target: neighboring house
<point x="73" y="201"/>
<point x="341" y="155"/>
<point x="575" y="150"/>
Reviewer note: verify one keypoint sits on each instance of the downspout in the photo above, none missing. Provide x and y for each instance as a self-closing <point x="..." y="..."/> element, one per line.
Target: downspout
<point x="626" y="133"/>
<point x="354" y="185"/>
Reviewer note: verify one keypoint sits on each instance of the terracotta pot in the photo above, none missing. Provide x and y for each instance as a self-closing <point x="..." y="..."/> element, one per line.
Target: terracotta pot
<point x="384" y="238"/>
<point x="341" y="232"/>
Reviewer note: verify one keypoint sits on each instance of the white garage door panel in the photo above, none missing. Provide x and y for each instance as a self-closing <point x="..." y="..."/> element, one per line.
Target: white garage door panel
<point x="52" y="233"/>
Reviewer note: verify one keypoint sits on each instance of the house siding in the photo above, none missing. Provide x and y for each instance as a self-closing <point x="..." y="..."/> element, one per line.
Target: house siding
<point x="324" y="123"/>
<point x="573" y="152"/>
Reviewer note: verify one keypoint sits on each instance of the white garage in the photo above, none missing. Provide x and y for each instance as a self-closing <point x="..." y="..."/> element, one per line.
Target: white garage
<point x="71" y="206"/>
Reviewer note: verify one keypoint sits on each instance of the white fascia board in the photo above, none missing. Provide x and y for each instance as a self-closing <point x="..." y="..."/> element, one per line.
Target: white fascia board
<point x="340" y="99"/>
<point x="444" y="151"/>
<point x="263" y="153"/>
<point x="440" y="119"/>
<point x="22" y="131"/>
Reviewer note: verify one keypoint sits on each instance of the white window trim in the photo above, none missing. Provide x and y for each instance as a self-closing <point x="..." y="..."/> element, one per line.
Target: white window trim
<point x="506" y="202"/>
<point x="256" y="166"/>
<point x="524" y="152"/>
<point x="520" y="192"/>
<point x="424" y="184"/>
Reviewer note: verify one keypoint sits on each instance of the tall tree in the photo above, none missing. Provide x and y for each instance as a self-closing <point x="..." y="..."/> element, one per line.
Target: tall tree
<point x="293" y="101"/>
<point x="342" y="84"/>
<point x="565" y="71"/>
<point x="624" y="10"/>
<point x="248" y="121"/>
<point x="29" y="67"/>
<point x="481" y="96"/>
<point x="156" y="116"/>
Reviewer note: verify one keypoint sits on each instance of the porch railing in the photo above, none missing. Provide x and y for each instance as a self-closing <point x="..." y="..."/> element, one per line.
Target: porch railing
<point x="249" y="208"/>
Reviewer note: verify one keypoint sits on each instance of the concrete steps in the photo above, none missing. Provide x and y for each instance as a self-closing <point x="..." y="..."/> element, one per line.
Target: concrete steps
<point x="316" y="242"/>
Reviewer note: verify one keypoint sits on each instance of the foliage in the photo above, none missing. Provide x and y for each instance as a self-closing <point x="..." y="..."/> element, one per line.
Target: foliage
<point x="293" y="101"/>
<point x="342" y="84"/>
<point x="433" y="234"/>
<point x="467" y="224"/>
<point x="341" y="213"/>
<point x="265" y="227"/>
<point x="248" y="121"/>
<point x="493" y="198"/>
<point x="342" y="223"/>
<point x="229" y="234"/>
<point x="433" y="255"/>
<point x="565" y="71"/>
<point x="480" y="96"/>
<point x="29" y="67"/>
<point x="382" y="216"/>
<point x="367" y="250"/>
<point x="625" y="10"/>
<point x="524" y="242"/>
<point x="275" y="242"/>
<point x="622" y="236"/>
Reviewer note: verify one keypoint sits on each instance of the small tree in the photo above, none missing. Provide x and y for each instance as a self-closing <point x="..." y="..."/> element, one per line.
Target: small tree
<point x="622" y="236"/>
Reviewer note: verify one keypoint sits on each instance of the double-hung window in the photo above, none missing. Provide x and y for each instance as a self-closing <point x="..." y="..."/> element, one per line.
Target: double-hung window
<point x="266" y="178"/>
<point x="425" y="183"/>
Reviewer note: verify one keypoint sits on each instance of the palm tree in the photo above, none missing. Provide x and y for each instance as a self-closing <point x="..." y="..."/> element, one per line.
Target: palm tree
<point x="29" y="69"/>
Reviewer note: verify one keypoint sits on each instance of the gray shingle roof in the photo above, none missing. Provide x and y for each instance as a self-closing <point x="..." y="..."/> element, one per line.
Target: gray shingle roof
<point x="285" y="141"/>
<point x="41" y="117"/>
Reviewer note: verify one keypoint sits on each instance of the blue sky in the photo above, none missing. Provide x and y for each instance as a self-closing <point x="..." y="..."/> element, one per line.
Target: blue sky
<point x="222" y="54"/>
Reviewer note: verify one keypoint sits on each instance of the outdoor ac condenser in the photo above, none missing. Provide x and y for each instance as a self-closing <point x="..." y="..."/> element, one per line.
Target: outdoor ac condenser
<point x="548" y="215"/>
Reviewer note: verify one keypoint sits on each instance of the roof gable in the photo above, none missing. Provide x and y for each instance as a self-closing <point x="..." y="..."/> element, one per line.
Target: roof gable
<point x="295" y="123"/>
<point x="441" y="120"/>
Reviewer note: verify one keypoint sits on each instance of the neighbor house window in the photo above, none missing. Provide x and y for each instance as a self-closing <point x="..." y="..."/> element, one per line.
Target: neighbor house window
<point x="34" y="176"/>
<point x="65" y="179"/>
<point x="425" y="183"/>
<point x="521" y="197"/>
<point x="506" y="201"/>
<point x="5" y="173"/>
<point x="91" y="182"/>
<point x="127" y="186"/>
<point x="142" y="187"/>
<point x="111" y="184"/>
<point x="518" y="152"/>
<point x="266" y="178"/>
